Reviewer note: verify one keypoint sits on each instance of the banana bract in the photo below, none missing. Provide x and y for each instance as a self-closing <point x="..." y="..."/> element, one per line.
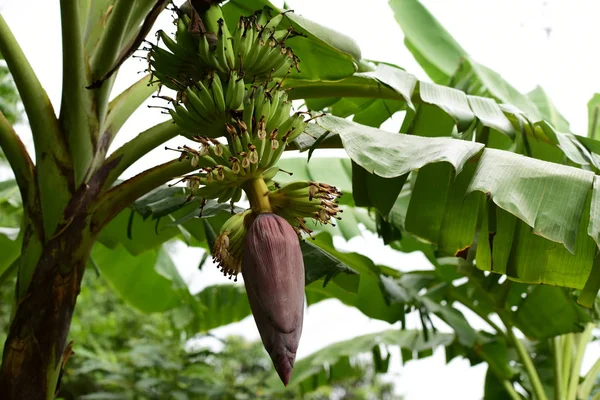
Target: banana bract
<point x="273" y="271"/>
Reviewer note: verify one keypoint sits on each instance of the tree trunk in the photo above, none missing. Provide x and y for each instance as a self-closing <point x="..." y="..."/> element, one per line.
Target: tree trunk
<point x="36" y="347"/>
<point x="34" y="351"/>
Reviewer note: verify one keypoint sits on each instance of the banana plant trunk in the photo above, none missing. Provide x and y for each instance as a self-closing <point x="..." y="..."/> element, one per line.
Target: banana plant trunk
<point x="36" y="347"/>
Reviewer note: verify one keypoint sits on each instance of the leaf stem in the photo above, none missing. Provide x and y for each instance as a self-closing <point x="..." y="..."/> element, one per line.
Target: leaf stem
<point x="139" y="146"/>
<point x="119" y="111"/>
<point x="584" y="339"/>
<point x="76" y="113"/>
<point x="566" y="359"/>
<point x="53" y="164"/>
<point x="526" y="360"/>
<point x="38" y="108"/>
<point x="256" y="190"/>
<point x="300" y="89"/>
<point x="585" y="388"/>
<point x="510" y="389"/>
<point x="125" y="104"/>
<point x="465" y="302"/>
<point x="558" y="362"/>
<point x="17" y="156"/>
<point x="108" y="50"/>
<point x="118" y="198"/>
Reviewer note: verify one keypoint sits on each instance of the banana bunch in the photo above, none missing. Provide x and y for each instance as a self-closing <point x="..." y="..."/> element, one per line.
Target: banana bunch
<point x="265" y="127"/>
<point x="259" y="48"/>
<point x="304" y="199"/>
<point x="256" y="49"/>
<point x="221" y="173"/>
<point x="179" y="63"/>
<point x="207" y="106"/>
<point x="257" y="129"/>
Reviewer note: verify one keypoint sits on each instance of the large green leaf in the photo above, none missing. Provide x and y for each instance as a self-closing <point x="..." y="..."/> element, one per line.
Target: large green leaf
<point x="9" y="98"/>
<point x="339" y="41"/>
<point x="148" y="282"/>
<point x="319" y="264"/>
<point x="390" y="155"/>
<point x="330" y="170"/>
<point x="493" y="85"/>
<point x="549" y="311"/>
<point x="11" y="213"/>
<point x="163" y="214"/>
<point x="548" y="197"/>
<point x="548" y="110"/>
<point x="428" y="40"/>
<point x="364" y="293"/>
<point x="370" y="190"/>
<point x="436" y="111"/>
<point x="222" y="305"/>
<point x="446" y="62"/>
<point x="594" y="117"/>
<point x="550" y="201"/>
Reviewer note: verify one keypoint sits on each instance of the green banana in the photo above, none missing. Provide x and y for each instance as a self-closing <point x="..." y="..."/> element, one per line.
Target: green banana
<point x="204" y="94"/>
<point x="246" y="47"/>
<point x="211" y="18"/>
<point x="210" y="191"/>
<point x="270" y="173"/>
<point x="282" y="114"/>
<point x="268" y="150"/>
<point x="204" y="51"/>
<point x="217" y="91"/>
<point x="221" y="50"/>
<point x="248" y="113"/>
<point x="263" y="16"/>
<point x="276" y="154"/>
<point x="197" y="105"/>
<point x="274" y="22"/>
<point x="237" y="195"/>
<point x="292" y="186"/>
<point x="183" y="124"/>
<point x="235" y="92"/>
<point x="174" y="47"/>
<point x="184" y="37"/>
<point x="229" y="91"/>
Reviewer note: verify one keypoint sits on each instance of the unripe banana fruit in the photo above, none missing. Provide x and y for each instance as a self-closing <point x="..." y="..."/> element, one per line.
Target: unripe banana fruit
<point x="256" y="122"/>
<point x="256" y="49"/>
<point x="208" y="105"/>
<point x="304" y="199"/>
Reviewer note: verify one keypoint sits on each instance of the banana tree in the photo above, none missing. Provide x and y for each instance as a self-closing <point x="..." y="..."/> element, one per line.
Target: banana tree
<point x="232" y="73"/>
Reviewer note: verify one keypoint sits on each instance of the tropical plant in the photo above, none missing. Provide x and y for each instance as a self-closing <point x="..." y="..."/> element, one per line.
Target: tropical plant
<point x="500" y="188"/>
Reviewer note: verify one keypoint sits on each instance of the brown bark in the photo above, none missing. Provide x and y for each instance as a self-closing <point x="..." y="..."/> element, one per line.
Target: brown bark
<point x="38" y="333"/>
<point x="35" y="347"/>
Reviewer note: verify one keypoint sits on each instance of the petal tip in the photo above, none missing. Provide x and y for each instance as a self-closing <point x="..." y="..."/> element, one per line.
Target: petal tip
<point x="284" y="365"/>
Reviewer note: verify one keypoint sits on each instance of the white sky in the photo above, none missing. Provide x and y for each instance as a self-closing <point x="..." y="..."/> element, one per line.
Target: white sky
<point x="545" y="42"/>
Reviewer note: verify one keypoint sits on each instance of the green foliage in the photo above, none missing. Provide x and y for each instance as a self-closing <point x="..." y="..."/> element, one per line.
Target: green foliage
<point x="9" y="98"/>
<point x="120" y="353"/>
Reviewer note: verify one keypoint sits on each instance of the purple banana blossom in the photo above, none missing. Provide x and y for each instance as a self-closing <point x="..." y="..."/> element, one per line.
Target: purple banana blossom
<point x="273" y="271"/>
